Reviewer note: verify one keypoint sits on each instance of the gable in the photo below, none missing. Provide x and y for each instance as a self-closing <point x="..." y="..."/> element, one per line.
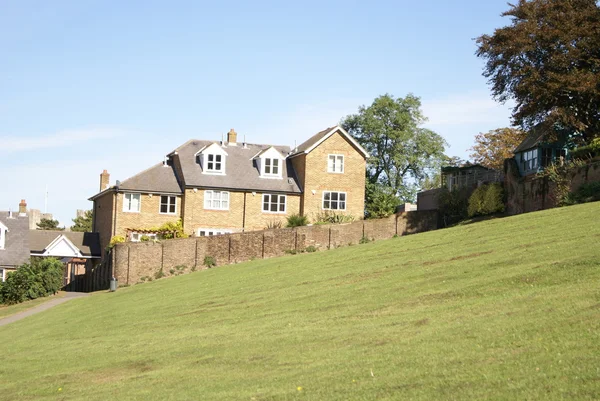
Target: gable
<point x="63" y="247"/>
<point x="316" y="140"/>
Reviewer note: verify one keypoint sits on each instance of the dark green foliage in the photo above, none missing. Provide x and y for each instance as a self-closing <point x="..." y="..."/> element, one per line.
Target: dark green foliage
<point x="485" y="200"/>
<point x="144" y="238"/>
<point x="30" y="281"/>
<point x="49" y="224"/>
<point x="589" y="192"/>
<point x="452" y="206"/>
<point x="364" y="240"/>
<point x="209" y="261"/>
<point x="159" y="274"/>
<point x="587" y="152"/>
<point x="296" y="220"/>
<point x="381" y="201"/>
<point x="83" y="223"/>
<point x="331" y="217"/>
<point x="311" y="248"/>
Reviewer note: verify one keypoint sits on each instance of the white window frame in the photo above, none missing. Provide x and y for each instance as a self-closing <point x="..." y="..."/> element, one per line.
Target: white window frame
<point x="330" y="201"/>
<point x="3" y="232"/>
<point x="137" y="237"/>
<point x="127" y="203"/>
<point x="211" y="200"/>
<point x="271" y="166"/>
<point x="3" y="274"/>
<point x="209" y="232"/>
<point x="168" y="204"/>
<point x="270" y="203"/>
<point x="335" y="163"/>
<point x="208" y="162"/>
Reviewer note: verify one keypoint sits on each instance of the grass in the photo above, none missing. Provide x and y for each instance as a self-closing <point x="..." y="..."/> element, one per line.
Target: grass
<point x="12" y="309"/>
<point x="503" y="309"/>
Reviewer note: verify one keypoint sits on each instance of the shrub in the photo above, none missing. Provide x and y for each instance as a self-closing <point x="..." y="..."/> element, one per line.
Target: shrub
<point x="209" y="261"/>
<point x="330" y="217"/>
<point x="296" y="220"/>
<point x="30" y="281"/>
<point x="274" y="224"/>
<point x="159" y="274"/>
<point x="364" y="240"/>
<point x="311" y="248"/>
<point x="452" y="206"/>
<point x="589" y="151"/>
<point x="291" y="251"/>
<point x="485" y="200"/>
<point x="589" y="192"/>
<point x="144" y="238"/>
<point x="117" y="239"/>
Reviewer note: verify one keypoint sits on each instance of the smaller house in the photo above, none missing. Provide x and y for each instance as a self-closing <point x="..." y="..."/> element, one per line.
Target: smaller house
<point x="76" y="250"/>
<point x="538" y="150"/>
<point x="468" y="176"/>
<point x="14" y="240"/>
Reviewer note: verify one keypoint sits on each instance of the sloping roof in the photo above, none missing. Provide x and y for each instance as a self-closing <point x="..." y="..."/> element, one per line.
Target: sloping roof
<point x="535" y="137"/>
<point x="241" y="171"/>
<point x="88" y="243"/>
<point x="158" y="178"/>
<point x="16" y="246"/>
<point x="315" y="140"/>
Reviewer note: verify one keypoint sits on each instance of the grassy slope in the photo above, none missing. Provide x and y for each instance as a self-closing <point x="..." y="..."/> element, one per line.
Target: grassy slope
<point x="504" y="309"/>
<point x="8" y="310"/>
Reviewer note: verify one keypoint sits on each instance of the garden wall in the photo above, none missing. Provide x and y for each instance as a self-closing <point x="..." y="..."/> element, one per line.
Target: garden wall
<point x="136" y="262"/>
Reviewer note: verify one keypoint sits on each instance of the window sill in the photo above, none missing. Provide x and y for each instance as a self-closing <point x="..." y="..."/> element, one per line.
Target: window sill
<point x="131" y="211"/>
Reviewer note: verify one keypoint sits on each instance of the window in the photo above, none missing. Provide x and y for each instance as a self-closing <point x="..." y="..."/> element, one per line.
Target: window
<point x="209" y="232"/>
<point x="271" y="167"/>
<point x="273" y="203"/>
<point x="137" y="237"/>
<point x="530" y="160"/>
<point x="214" y="163"/>
<point x="131" y="202"/>
<point x="217" y="200"/>
<point x="168" y="204"/>
<point x="335" y="164"/>
<point x="2" y="237"/>
<point x="334" y="200"/>
<point x="2" y="275"/>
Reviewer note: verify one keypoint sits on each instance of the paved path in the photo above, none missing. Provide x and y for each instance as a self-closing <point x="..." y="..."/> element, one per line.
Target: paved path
<point x="42" y="307"/>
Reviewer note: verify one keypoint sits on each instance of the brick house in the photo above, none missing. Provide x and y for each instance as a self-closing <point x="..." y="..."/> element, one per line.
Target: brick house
<point x="227" y="186"/>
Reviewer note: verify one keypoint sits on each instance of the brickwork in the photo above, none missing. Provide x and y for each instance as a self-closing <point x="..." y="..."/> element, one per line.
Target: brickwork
<point x="134" y="262"/>
<point x="316" y="177"/>
<point x="147" y="217"/>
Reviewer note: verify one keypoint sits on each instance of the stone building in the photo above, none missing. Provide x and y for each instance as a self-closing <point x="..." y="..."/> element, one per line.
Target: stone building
<point x="228" y="186"/>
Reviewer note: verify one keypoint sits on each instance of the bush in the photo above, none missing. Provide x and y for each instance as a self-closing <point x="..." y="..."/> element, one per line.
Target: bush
<point x="311" y="248"/>
<point x="144" y="238"/>
<point x="589" y="192"/>
<point x="330" y="217"/>
<point x="117" y="239"/>
<point x="453" y="206"/>
<point x="274" y="224"/>
<point x="30" y="281"/>
<point x="209" y="261"/>
<point x="159" y="274"/>
<point x="589" y="151"/>
<point x="296" y="220"/>
<point x="485" y="200"/>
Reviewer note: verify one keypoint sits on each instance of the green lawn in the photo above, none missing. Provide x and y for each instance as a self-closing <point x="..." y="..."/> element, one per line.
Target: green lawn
<point x="506" y="309"/>
<point x="7" y="310"/>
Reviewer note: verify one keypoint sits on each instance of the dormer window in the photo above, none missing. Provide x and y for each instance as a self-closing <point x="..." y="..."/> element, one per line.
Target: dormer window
<point x="271" y="167"/>
<point x="269" y="162"/>
<point x="214" y="163"/>
<point x="212" y="159"/>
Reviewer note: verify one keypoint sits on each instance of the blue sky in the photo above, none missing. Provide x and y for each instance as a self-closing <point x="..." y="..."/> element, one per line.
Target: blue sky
<point x="93" y="85"/>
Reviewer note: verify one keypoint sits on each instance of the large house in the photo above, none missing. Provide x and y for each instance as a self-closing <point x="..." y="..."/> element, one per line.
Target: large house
<point x="217" y="187"/>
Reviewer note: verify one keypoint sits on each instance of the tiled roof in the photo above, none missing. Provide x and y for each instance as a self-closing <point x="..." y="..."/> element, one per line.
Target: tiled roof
<point x="313" y="140"/>
<point x="158" y="178"/>
<point x="88" y="243"/>
<point x="16" y="246"/>
<point x="241" y="170"/>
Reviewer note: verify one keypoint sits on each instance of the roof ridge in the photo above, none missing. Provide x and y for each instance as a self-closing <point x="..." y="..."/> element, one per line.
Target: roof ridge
<point x="143" y="171"/>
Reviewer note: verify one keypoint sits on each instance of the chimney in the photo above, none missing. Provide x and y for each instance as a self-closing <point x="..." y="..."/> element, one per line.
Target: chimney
<point x="104" y="179"/>
<point x="232" y="137"/>
<point x="23" y="208"/>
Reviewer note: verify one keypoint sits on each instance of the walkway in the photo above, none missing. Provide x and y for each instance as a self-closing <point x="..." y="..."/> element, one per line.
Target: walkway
<point x="42" y="307"/>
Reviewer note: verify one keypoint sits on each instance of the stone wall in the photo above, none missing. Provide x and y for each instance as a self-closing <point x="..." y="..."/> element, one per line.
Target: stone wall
<point x="144" y="261"/>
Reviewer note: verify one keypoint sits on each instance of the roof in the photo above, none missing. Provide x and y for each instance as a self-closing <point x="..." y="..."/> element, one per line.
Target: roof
<point x="535" y="137"/>
<point x="544" y="133"/>
<point x="315" y="140"/>
<point x="16" y="246"/>
<point x="464" y="167"/>
<point x="241" y="169"/>
<point x="88" y="243"/>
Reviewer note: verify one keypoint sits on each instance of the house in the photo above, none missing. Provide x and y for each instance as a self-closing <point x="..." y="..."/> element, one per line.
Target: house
<point x="14" y="240"/>
<point x="228" y="186"/>
<point x="77" y="250"/>
<point x="538" y="150"/>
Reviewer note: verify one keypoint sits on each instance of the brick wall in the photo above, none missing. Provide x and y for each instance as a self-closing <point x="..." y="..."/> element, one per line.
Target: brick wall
<point x="138" y="262"/>
<point x="103" y="218"/>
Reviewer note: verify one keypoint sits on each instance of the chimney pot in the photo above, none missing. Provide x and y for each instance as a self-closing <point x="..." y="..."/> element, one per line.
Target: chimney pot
<point x="232" y="137"/>
<point x="104" y="180"/>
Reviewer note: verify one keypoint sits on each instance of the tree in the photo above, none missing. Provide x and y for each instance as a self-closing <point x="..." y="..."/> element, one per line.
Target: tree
<point x="548" y="62"/>
<point x="492" y="147"/>
<point x="49" y="224"/>
<point x="402" y="153"/>
<point x="83" y="223"/>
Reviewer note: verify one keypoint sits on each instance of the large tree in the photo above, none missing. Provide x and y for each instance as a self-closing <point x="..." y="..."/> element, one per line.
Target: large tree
<point x="49" y="224"/>
<point x="548" y="61"/>
<point x="403" y="153"/>
<point x="83" y="223"/>
<point x="492" y="147"/>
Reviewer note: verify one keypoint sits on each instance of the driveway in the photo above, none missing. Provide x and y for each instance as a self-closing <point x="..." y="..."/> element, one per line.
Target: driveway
<point x="42" y="307"/>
